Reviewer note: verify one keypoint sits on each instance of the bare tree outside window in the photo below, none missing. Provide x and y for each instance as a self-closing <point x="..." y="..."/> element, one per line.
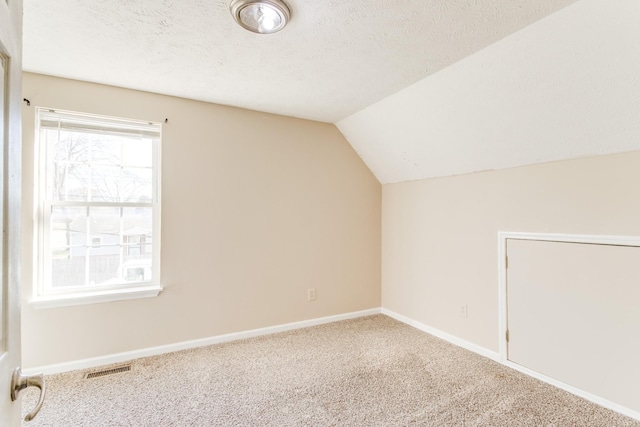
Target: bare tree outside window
<point x="100" y="186"/>
<point x="92" y="168"/>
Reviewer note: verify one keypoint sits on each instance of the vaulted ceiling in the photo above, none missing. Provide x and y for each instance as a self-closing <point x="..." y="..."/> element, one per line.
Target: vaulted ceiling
<point x="412" y="84"/>
<point x="565" y="87"/>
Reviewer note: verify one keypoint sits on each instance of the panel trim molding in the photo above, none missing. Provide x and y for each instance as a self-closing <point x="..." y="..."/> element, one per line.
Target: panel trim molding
<point x="482" y="351"/>
<point x="595" y="239"/>
<point x="185" y="345"/>
<point x="503" y="236"/>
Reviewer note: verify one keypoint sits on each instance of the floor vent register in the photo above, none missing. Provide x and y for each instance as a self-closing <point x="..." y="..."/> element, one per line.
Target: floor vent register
<point x="104" y="372"/>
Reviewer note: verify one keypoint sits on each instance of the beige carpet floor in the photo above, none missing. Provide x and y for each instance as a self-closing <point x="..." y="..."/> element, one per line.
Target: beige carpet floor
<point x="371" y="371"/>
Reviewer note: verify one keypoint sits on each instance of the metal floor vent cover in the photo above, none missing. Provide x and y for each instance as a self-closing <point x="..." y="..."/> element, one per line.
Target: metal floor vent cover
<point x="110" y="371"/>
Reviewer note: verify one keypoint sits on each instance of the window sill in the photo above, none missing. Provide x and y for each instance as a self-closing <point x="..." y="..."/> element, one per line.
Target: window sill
<point x="95" y="297"/>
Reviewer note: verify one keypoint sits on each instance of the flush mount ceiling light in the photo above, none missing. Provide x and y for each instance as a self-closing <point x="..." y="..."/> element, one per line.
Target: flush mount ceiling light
<point x="260" y="16"/>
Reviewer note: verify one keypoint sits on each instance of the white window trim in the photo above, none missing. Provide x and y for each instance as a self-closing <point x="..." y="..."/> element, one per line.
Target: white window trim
<point x="119" y="292"/>
<point x="82" y="298"/>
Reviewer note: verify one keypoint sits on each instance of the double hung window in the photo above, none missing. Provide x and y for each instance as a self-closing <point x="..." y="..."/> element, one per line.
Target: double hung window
<point x="98" y="206"/>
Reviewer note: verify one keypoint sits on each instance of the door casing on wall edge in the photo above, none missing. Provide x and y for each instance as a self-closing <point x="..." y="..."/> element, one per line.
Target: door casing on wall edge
<point x="503" y="236"/>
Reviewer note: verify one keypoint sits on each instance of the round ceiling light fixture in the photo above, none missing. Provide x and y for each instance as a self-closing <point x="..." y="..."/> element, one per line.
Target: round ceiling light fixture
<point x="260" y="16"/>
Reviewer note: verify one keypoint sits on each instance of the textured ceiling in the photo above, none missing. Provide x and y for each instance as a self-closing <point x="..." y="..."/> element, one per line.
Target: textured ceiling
<point x="565" y="87"/>
<point x="335" y="58"/>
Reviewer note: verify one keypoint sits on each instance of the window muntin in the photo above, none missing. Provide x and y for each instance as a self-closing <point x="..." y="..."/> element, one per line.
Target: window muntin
<point x="98" y="203"/>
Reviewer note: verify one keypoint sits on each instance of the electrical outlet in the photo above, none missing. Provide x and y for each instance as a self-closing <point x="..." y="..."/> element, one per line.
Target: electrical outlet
<point x="462" y="310"/>
<point x="311" y="294"/>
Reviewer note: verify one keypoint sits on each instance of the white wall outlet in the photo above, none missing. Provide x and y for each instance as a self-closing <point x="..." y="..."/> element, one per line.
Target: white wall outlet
<point x="311" y="294"/>
<point x="462" y="310"/>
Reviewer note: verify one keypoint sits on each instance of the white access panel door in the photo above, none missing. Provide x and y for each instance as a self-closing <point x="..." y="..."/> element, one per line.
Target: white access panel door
<point x="573" y="314"/>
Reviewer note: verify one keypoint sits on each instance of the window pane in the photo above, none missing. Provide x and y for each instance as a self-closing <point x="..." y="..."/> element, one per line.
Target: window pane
<point x="105" y="225"/>
<point x="67" y="165"/>
<point x="137" y="264"/>
<point x="103" y="266"/>
<point x="138" y="153"/>
<point x="90" y="161"/>
<point x="136" y="185"/>
<point x="100" y="168"/>
<point x="68" y="243"/>
<point x="68" y="147"/>
<point x="109" y="246"/>
<point x="68" y="227"/>
<point x="137" y="224"/>
<point x="106" y="150"/>
<point x="117" y="184"/>
<point x="69" y="270"/>
<point x="105" y="183"/>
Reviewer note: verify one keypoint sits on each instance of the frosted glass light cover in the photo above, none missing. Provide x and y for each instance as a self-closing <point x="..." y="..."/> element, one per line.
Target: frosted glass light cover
<point x="260" y="16"/>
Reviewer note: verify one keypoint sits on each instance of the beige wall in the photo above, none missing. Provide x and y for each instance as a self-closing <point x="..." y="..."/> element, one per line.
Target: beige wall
<point x="256" y="209"/>
<point x="440" y="236"/>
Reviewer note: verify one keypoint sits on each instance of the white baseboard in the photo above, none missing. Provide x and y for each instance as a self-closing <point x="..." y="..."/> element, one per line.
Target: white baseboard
<point x="443" y="335"/>
<point x="496" y="357"/>
<point x="577" y="391"/>
<point x="154" y="351"/>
